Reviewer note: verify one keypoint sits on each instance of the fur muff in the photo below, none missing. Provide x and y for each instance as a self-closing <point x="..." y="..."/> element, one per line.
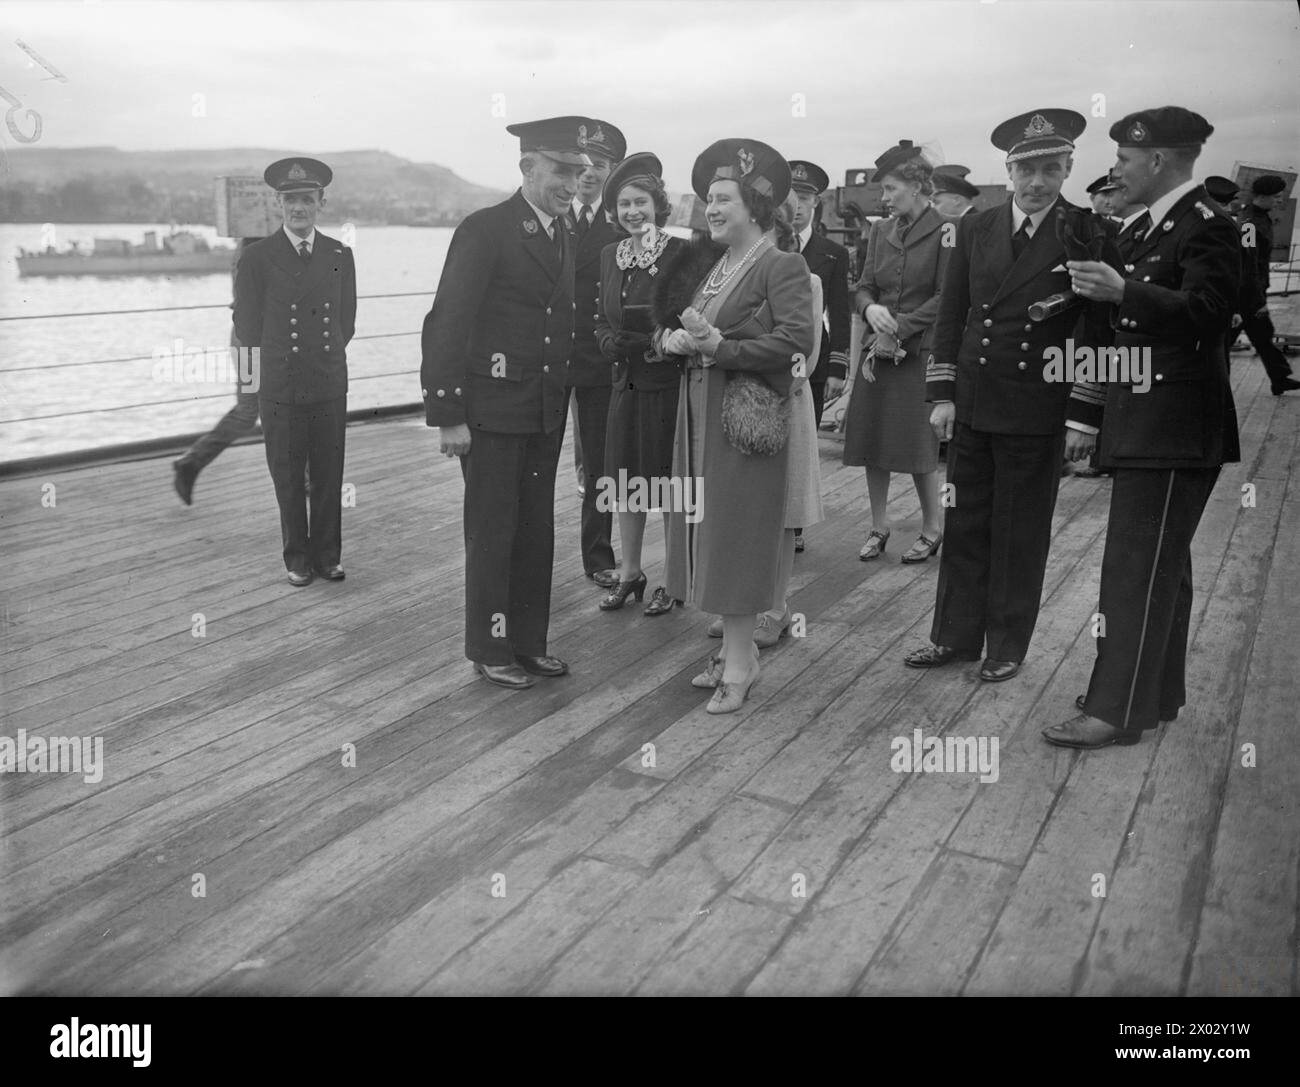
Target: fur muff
<point x="678" y="281"/>
<point x="755" y="419"/>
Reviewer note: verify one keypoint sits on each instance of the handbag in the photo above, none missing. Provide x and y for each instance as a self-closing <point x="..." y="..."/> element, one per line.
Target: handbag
<point x="755" y="418"/>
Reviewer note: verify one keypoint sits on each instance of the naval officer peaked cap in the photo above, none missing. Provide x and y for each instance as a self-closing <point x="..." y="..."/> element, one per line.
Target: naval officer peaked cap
<point x="954" y="183"/>
<point x="563" y="139"/>
<point x="1102" y="184"/>
<point x="751" y="163"/>
<point x="603" y="139"/>
<point x="808" y="177"/>
<point x="1168" y="126"/>
<point x="297" y="175"/>
<point x="1039" y="132"/>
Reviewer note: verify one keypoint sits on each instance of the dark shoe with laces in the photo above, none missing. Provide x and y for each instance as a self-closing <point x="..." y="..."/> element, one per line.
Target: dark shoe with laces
<point x="504" y="675"/>
<point x="936" y="656"/>
<point x="660" y="602"/>
<point x="996" y="671"/>
<point x="550" y="667"/>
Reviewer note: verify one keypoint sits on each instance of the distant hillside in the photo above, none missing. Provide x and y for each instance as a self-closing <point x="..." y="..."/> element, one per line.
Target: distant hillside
<point x="107" y="185"/>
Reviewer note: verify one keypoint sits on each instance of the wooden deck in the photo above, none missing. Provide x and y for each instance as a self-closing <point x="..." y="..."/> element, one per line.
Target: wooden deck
<point x="224" y="757"/>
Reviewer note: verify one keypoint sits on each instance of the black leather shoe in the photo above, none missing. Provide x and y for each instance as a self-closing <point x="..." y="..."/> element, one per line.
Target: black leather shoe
<point x="183" y="476"/>
<point x="550" y="667"/>
<point x="504" y="675"/>
<point x="934" y="656"/>
<point x="1286" y="385"/>
<point x="992" y="671"/>
<point x="332" y="573"/>
<point x="299" y="579"/>
<point x="606" y="579"/>
<point x="1087" y="733"/>
<point x="798" y="541"/>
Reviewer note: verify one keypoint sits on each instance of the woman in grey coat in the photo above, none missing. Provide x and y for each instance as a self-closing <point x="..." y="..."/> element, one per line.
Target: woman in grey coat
<point x="887" y="427"/>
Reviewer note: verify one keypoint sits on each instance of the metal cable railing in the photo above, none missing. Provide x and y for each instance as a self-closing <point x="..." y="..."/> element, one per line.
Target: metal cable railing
<point x="149" y="358"/>
<point x="170" y="309"/>
<point x="188" y="399"/>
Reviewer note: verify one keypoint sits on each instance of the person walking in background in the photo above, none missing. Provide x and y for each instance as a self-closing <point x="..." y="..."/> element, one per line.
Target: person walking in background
<point x="887" y="428"/>
<point x="296" y="304"/>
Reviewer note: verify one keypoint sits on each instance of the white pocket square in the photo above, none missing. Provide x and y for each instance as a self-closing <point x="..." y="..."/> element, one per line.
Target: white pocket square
<point x="1060" y="268"/>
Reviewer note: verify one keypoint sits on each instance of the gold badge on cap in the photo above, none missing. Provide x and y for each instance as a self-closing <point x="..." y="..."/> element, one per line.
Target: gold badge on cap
<point x="582" y="135"/>
<point x="598" y="136"/>
<point x="1137" y="131"/>
<point x="800" y="173"/>
<point x="296" y="172"/>
<point x="746" y="161"/>
<point x="1039" y="126"/>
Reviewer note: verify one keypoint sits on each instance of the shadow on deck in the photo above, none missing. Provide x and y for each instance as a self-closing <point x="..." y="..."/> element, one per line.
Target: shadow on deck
<point x="317" y="795"/>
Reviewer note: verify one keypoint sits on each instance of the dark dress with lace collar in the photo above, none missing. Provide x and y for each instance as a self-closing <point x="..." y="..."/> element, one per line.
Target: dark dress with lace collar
<point x="643" y="402"/>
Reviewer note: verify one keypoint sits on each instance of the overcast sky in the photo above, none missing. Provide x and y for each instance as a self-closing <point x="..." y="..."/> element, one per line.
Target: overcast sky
<point x="835" y="82"/>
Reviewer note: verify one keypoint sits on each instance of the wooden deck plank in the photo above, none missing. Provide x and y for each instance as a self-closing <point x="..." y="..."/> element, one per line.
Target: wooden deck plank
<point x="223" y="755"/>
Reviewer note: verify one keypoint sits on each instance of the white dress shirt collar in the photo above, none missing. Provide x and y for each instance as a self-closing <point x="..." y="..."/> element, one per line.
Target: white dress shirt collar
<point x="296" y="241"/>
<point x="1164" y="205"/>
<point x="804" y="235"/>
<point x="577" y="208"/>
<point x="1035" y="220"/>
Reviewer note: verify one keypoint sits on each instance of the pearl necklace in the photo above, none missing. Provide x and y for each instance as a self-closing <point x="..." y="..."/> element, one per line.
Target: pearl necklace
<point x="720" y="277"/>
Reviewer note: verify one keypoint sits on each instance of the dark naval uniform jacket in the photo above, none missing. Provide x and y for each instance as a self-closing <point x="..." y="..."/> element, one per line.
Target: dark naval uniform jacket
<point x="1254" y="260"/>
<point x="829" y="262"/>
<point x="588" y="367"/>
<point x="1181" y="289"/>
<point x="301" y="314"/>
<point x="988" y="356"/>
<point x="498" y="342"/>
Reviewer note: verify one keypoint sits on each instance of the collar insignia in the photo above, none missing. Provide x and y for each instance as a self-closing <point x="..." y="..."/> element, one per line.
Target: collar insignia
<point x="530" y="226"/>
<point x="1206" y="213"/>
<point x="1168" y="225"/>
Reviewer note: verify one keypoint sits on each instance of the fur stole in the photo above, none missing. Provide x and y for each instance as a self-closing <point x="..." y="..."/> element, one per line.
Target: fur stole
<point x="678" y="280"/>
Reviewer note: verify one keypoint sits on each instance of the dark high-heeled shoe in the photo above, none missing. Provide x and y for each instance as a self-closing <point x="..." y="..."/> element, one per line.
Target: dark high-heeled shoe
<point x="619" y="593"/>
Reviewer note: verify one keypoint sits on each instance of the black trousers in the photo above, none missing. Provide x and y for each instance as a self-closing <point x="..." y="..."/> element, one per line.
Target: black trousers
<point x="509" y="543"/>
<point x="818" y="398"/>
<point x="1258" y="328"/>
<point x="237" y="422"/>
<point x="597" y="527"/>
<point x="996" y="539"/>
<point x="1146" y="595"/>
<point x="301" y="437"/>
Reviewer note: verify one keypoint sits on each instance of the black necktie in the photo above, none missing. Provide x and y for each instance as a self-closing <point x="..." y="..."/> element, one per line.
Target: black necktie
<point x="583" y="222"/>
<point x="556" y="227"/>
<point x="1129" y="239"/>
<point x="304" y="251"/>
<point x="1020" y="238"/>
